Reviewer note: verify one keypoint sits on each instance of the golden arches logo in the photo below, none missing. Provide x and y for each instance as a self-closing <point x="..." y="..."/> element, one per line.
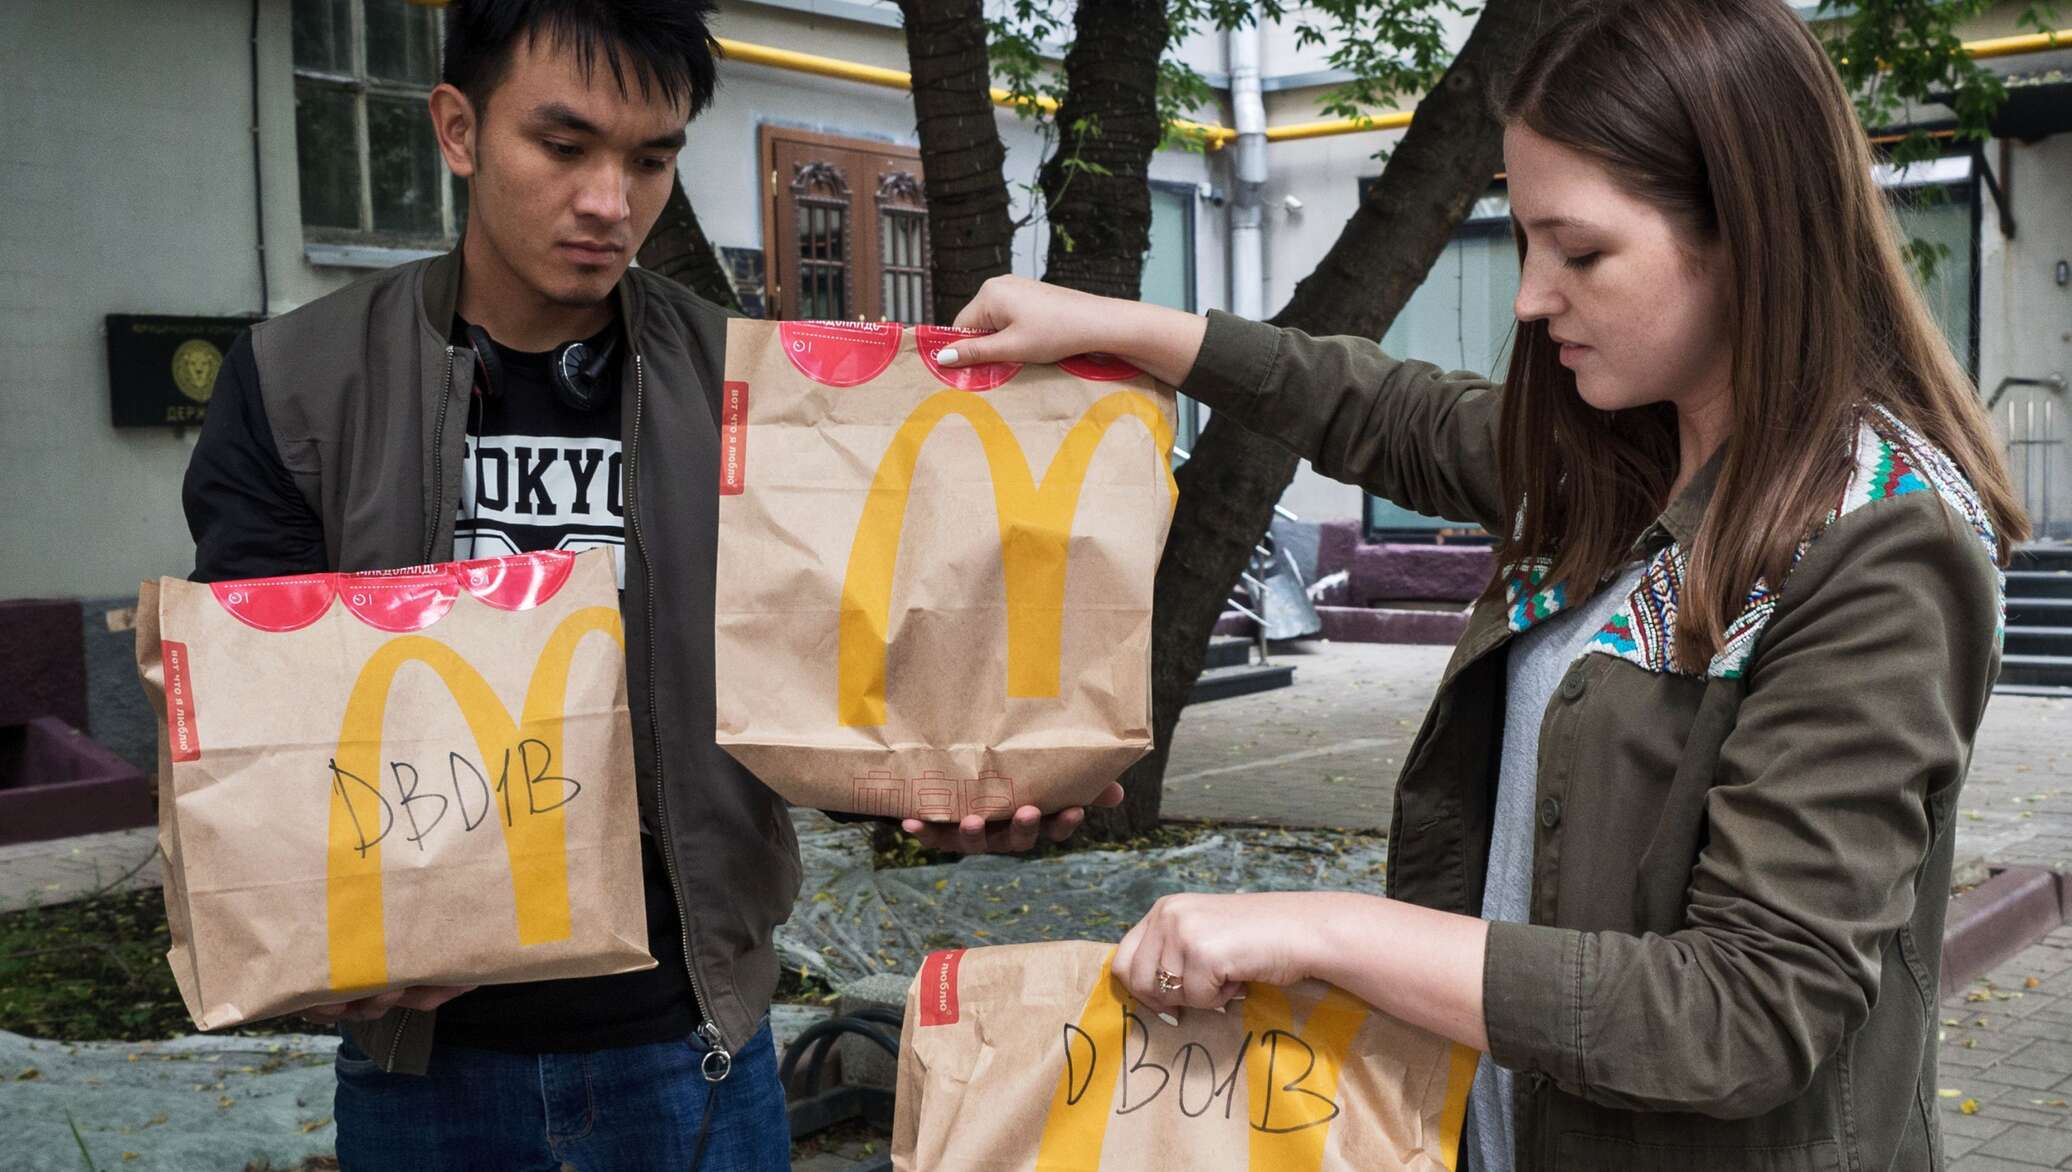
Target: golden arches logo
<point x="535" y="841"/>
<point x="1035" y="534"/>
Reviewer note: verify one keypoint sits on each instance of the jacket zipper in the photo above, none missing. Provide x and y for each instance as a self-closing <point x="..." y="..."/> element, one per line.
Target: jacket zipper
<point x="431" y="539"/>
<point x="719" y="1060"/>
<point x="396" y="1041"/>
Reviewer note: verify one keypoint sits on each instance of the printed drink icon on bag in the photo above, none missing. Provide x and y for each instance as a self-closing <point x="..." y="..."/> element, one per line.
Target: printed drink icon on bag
<point x="370" y="781"/>
<point x="1033" y="1058"/>
<point x="934" y="583"/>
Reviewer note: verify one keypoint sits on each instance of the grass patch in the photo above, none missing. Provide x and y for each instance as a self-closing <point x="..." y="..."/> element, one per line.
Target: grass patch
<point x="93" y="970"/>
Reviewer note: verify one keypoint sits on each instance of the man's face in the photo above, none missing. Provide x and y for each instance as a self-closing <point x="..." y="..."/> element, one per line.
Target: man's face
<point x="569" y="175"/>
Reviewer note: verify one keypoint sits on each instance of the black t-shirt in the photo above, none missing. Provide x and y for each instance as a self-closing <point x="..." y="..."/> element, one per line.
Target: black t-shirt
<point x="540" y="474"/>
<point x="250" y="521"/>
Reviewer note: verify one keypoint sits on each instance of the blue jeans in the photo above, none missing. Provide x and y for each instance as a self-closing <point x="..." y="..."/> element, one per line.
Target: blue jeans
<point x="621" y="1110"/>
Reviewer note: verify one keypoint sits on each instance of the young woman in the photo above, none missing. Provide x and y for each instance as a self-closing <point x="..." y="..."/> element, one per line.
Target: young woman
<point x="1673" y="847"/>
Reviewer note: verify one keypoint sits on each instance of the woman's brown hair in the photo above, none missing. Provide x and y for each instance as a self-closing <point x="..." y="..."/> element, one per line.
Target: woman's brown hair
<point x="1728" y="117"/>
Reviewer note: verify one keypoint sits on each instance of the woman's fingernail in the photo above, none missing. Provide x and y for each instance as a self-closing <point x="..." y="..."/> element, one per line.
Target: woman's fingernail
<point x="947" y="354"/>
<point x="1169" y="1019"/>
<point x="1219" y="1009"/>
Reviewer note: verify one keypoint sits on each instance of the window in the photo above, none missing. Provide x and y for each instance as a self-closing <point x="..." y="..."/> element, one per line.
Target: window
<point x="846" y="229"/>
<point x="1935" y="202"/>
<point x="1460" y="318"/>
<point x="368" y="162"/>
<point x="1169" y="274"/>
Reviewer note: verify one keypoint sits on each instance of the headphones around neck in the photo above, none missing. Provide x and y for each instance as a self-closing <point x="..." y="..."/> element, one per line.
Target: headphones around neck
<point x="575" y="368"/>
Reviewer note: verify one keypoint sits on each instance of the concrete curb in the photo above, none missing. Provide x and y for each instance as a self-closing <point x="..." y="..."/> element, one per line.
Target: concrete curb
<point x="2012" y="909"/>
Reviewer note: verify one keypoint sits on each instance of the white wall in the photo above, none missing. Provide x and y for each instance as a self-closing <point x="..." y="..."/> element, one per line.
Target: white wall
<point x="128" y="171"/>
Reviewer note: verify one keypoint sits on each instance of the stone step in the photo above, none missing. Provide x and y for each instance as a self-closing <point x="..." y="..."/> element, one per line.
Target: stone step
<point x="1227" y="653"/>
<point x="2039" y="583"/>
<point x="2039" y="641"/>
<point x="2036" y="670"/>
<point x="1224" y="682"/>
<point x="2039" y="612"/>
<point x="2043" y="557"/>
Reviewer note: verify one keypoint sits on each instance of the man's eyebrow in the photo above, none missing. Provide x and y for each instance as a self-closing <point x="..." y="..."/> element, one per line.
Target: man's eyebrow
<point x="558" y="115"/>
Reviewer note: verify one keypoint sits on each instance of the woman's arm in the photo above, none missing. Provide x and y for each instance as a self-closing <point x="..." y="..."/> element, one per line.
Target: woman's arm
<point x="1407" y="431"/>
<point x="1412" y="963"/>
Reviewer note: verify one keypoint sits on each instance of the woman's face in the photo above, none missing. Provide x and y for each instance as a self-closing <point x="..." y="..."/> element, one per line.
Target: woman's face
<point x="1640" y="310"/>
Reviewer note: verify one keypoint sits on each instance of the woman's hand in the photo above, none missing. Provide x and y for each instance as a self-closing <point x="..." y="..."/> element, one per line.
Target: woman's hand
<point x="370" y="1008"/>
<point x="1213" y="944"/>
<point x="1035" y="322"/>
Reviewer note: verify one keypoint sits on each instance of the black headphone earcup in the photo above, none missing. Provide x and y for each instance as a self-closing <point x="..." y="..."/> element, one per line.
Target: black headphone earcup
<point x="485" y="357"/>
<point x="578" y="374"/>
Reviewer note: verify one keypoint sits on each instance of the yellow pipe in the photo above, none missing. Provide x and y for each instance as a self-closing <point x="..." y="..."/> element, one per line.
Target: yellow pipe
<point x="1218" y="137"/>
<point x="2022" y="43"/>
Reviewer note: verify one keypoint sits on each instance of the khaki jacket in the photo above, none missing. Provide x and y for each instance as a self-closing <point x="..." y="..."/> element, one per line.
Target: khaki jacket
<point x="1739" y="877"/>
<point x="368" y="406"/>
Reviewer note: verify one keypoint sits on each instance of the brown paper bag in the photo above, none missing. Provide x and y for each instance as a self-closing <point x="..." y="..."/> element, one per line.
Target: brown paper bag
<point x="1033" y="1057"/>
<point x="934" y="584"/>
<point x="368" y="781"/>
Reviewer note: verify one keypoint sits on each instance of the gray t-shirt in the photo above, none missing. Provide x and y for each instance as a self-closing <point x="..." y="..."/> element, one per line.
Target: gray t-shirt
<point x="1539" y="658"/>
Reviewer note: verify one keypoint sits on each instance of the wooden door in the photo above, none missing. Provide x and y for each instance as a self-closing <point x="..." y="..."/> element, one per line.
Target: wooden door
<point x="845" y="230"/>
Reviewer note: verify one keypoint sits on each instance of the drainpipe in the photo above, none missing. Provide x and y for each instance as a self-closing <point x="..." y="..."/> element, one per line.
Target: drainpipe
<point x="1247" y="212"/>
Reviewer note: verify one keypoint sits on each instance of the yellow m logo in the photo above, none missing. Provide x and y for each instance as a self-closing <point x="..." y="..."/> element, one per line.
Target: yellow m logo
<point x="535" y="836"/>
<point x="1035" y="534"/>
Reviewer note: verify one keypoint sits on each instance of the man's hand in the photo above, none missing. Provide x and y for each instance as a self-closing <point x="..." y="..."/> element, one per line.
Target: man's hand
<point x="370" y="1008"/>
<point x="976" y="836"/>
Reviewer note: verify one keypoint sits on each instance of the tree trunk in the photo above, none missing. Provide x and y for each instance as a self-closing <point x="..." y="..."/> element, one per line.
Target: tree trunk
<point x="1095" y="185"/>
<point x="678" y="249"/>
<point x="1229" y="486"/>
<point x="971" y="235"/>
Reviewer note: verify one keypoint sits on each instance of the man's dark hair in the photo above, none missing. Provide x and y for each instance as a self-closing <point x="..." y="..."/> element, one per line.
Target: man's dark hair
<point x="664" y="44"/>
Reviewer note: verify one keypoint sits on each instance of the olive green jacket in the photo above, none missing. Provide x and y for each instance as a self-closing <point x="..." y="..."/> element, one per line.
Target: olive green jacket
<point x="1740" y="876"/>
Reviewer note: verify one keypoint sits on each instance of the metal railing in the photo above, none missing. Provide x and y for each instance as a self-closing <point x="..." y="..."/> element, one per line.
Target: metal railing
<point x="2036" y="450"/>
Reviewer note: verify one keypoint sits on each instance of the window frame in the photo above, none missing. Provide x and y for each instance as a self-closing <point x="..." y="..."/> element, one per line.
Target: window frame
<point x="362" y="86"/>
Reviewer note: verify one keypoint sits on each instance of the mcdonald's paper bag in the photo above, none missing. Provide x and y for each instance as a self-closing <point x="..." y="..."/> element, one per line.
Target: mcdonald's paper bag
<point x="368" y="781"/>
<point x="934" y="584"/>
<point x="1033" y="1057"/>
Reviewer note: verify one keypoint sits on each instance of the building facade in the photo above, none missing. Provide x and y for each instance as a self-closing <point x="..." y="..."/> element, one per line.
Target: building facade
<point x="228" y="158"/>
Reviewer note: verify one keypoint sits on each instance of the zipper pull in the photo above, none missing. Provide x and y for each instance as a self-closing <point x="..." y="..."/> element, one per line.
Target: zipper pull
<point x="718" y="1062"/>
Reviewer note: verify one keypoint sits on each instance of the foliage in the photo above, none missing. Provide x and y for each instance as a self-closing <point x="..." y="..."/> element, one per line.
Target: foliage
<point x="1389" y="47"/>
<point x="93" y="970"/>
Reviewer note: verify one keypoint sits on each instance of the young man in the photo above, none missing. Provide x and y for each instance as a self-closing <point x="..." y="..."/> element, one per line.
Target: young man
<point x="530" y="391"/>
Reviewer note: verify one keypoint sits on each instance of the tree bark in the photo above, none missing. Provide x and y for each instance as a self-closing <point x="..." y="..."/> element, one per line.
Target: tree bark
<point x="1100" y="216"/>
<point x="678" y="248"/>
<point x="1229" y="486"/>
<point x="971" y="235"/>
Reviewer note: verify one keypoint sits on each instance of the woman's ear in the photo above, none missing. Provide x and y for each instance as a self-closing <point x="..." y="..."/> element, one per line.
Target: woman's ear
<point x="453" y="120"/>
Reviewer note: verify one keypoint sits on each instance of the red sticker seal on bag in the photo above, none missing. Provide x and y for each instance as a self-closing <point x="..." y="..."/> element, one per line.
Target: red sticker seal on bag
<point x="938" y="994"/>
<point x="930" y="341"/>
<point x="840" y="353"/>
